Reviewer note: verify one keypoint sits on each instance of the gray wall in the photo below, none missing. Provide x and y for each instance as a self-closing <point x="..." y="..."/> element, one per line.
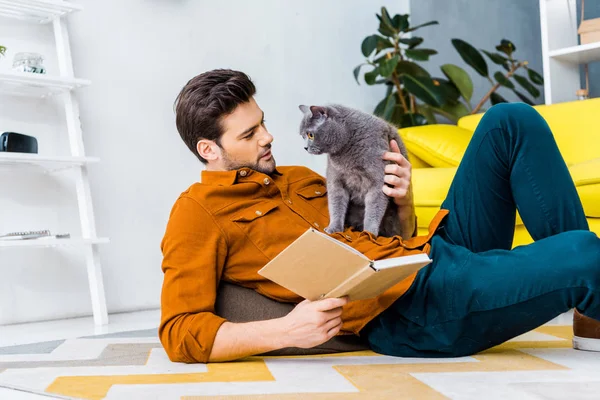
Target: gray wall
<point x="483" y="23"/>
<point x="592" y="10"/>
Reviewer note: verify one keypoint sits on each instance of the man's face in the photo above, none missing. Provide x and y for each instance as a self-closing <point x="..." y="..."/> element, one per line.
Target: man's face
<point x="246" y="141"/>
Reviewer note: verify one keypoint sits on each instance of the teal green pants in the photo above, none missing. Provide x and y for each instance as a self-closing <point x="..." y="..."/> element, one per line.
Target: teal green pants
<point x="477" y="292"/>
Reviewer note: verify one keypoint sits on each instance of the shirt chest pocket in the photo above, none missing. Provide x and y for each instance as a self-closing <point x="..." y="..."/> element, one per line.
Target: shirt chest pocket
<point x="316" y="196"/>
<point x="266" y="226"/>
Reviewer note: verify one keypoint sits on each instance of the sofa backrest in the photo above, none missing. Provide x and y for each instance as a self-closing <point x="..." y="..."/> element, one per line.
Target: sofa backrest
<point x="575" y="125"/>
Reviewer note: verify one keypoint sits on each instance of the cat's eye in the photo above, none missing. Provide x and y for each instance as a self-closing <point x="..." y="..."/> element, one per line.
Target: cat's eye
<point x="310" y="136"/>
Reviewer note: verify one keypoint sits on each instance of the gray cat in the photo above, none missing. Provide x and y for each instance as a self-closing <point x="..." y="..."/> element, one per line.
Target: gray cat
<point x="355" y="142"/>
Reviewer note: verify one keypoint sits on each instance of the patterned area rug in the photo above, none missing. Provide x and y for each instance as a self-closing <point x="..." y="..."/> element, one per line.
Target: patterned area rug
<point x="538" y="365"/>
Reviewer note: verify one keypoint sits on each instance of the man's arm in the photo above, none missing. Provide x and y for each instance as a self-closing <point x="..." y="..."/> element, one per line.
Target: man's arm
<point x="309" y="324"/>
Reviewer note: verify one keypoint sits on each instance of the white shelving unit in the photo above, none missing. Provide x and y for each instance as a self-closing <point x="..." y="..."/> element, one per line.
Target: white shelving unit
<point x="62" y="85"/>
<point x="562" y="55"/>
<point x="52" y="242"/>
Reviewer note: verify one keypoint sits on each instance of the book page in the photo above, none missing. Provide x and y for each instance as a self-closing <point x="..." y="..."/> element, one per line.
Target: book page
<point x="383" y="279"/>
<point x="399" y="261"/>
<point x="314" y="264"/>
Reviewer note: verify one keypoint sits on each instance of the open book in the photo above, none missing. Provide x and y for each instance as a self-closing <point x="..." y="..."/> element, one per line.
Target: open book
<point x="317" y="266"/>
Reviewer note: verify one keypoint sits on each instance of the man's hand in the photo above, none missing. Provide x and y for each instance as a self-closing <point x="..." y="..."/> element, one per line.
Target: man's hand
<point x="398" y="176"/>
<point x="312" y="323"/>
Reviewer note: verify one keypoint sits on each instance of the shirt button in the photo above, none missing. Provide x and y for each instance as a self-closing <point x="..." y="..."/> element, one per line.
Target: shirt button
<point x="348" y="237"/>
<point x="317" y="192"/>
<point x="258" y="213"/>
<point x="267" y="181"/>
<point x="289" y="201"/>
<point x="243" y="173"/>
<point x="317" y="225"/>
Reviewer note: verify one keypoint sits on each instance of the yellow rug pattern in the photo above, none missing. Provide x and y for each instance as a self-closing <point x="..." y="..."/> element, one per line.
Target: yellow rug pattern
<point x="138" y="368"/>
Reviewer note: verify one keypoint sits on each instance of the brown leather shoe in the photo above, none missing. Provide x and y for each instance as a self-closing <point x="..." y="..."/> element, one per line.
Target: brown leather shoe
<point x="586" y="332"/>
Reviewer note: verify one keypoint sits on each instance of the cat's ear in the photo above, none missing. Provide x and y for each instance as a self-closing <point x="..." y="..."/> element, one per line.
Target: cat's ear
<point x="304" y="109"/>
<point x="318" y="111"/>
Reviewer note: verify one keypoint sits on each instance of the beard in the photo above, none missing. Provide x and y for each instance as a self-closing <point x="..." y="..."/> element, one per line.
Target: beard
<point x="266" y="167"/>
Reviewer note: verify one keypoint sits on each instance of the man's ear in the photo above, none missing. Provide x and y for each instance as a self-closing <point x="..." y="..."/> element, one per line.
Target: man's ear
<point x="208" y="149"/>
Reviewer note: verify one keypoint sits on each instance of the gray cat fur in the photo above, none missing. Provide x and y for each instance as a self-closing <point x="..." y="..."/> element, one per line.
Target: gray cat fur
<point x="354" y="142"/>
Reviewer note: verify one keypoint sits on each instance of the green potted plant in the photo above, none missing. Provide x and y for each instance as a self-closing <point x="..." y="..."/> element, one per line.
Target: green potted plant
<point x="414" y="96"/>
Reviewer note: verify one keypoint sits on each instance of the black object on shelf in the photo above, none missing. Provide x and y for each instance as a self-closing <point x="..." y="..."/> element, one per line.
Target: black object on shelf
<point x="18" y="143"/>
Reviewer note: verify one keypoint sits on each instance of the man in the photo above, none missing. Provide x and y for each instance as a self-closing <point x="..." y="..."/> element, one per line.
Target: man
<point x="475" y="294"/>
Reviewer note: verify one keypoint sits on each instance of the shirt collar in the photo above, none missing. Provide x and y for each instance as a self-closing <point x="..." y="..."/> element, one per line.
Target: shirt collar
<point x="228" y="178"/>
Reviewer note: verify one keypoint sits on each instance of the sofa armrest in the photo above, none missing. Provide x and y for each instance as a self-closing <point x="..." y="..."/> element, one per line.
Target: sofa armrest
<point x="437" y="145"/>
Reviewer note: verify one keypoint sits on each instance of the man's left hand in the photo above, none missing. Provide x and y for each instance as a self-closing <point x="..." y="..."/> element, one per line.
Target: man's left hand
<point x="398" y="175"/>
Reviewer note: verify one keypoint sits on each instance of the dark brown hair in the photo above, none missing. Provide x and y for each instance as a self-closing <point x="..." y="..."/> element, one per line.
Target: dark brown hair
<point x="205" y="99"/>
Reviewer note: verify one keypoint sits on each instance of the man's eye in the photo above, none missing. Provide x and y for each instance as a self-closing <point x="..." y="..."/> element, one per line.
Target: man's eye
<point x="249" y="136"/>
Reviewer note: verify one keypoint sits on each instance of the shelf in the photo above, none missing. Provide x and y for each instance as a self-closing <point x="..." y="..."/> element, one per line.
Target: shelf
<point x="38" y="11"/>
<point x="46" y="162"/>
<point x="581" y="54"/>
<point x="43" y="242"/>
<point x="37" y="85"/>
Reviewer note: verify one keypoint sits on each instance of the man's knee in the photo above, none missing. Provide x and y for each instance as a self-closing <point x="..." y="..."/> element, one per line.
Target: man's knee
<point x="517" y="120"/>
<point x="586" y="252"/>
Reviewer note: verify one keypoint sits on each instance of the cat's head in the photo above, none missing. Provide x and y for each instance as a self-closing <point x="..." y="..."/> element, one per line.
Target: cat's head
<point x="321" y="131"/>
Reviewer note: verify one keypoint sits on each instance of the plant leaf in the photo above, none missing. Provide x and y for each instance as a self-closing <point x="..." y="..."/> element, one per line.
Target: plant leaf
<point x="410" y="119"/>
<point x="503" y="80"/>
<point x="387" y="66"/>
<point x="400" y="22"/>
<point x="414" y="28"/>
<point x="523" y="98"/>
<point x="410" y="68"/>
<point x="371" y="76"/>
<point x="368" y="45"/>
<point x="506" y="47"/>
<point x="2" y="50"/>
<point x="420" y="54"/>
<point x="390" y="104"/>
<point x="535" y="77"/>
<point x="495" y="98"/>
<point x="386" y="28"/>
<point x="471" y="56"/>
<point x="428" y="113"/>
<point x="424" y="89"/>
<point x="527" y="86"/>
<point x="396" y="118"/>
<point x="457" y="111"/>
<point x="412" y="42"/>
<point x="450" y="93"/>
<point x="374" y="42"/>
<point x="380" y="107"/>
<point x="496" y="58"/>
<point x="357" y="72"/>
<point x="460" y="78"/>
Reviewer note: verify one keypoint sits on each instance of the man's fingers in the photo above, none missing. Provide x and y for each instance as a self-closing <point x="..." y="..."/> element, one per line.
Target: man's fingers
<point x="394" y="146"/>
<point x="391" y="192"/>
<point x="336" y="312"/>
<point x="395" y="181"/>
<point x="330" y="304"/>
<point x="334" y="331"/>
<point x="395" y="169"/>
<point x="332" y="324"/>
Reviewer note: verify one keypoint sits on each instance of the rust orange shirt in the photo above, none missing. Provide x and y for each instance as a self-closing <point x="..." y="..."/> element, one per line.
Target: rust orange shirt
<point x="231" y="225"/>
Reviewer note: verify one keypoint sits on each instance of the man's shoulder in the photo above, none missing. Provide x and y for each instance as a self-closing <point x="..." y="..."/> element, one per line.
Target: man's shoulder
<point x="297" y="172"/>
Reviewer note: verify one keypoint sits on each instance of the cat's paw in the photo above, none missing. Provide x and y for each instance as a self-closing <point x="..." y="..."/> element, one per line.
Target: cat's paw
<point x="333" y="229"/>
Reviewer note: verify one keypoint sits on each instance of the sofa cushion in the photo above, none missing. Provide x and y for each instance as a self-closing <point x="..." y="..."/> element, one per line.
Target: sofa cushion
<point x="239" y="304"/>
<point x="574" y="125"/>
<point x="437" y="145"/>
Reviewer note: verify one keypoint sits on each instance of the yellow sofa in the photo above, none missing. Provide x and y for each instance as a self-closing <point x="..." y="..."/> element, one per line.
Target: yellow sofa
<point x="436" y="150"/>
